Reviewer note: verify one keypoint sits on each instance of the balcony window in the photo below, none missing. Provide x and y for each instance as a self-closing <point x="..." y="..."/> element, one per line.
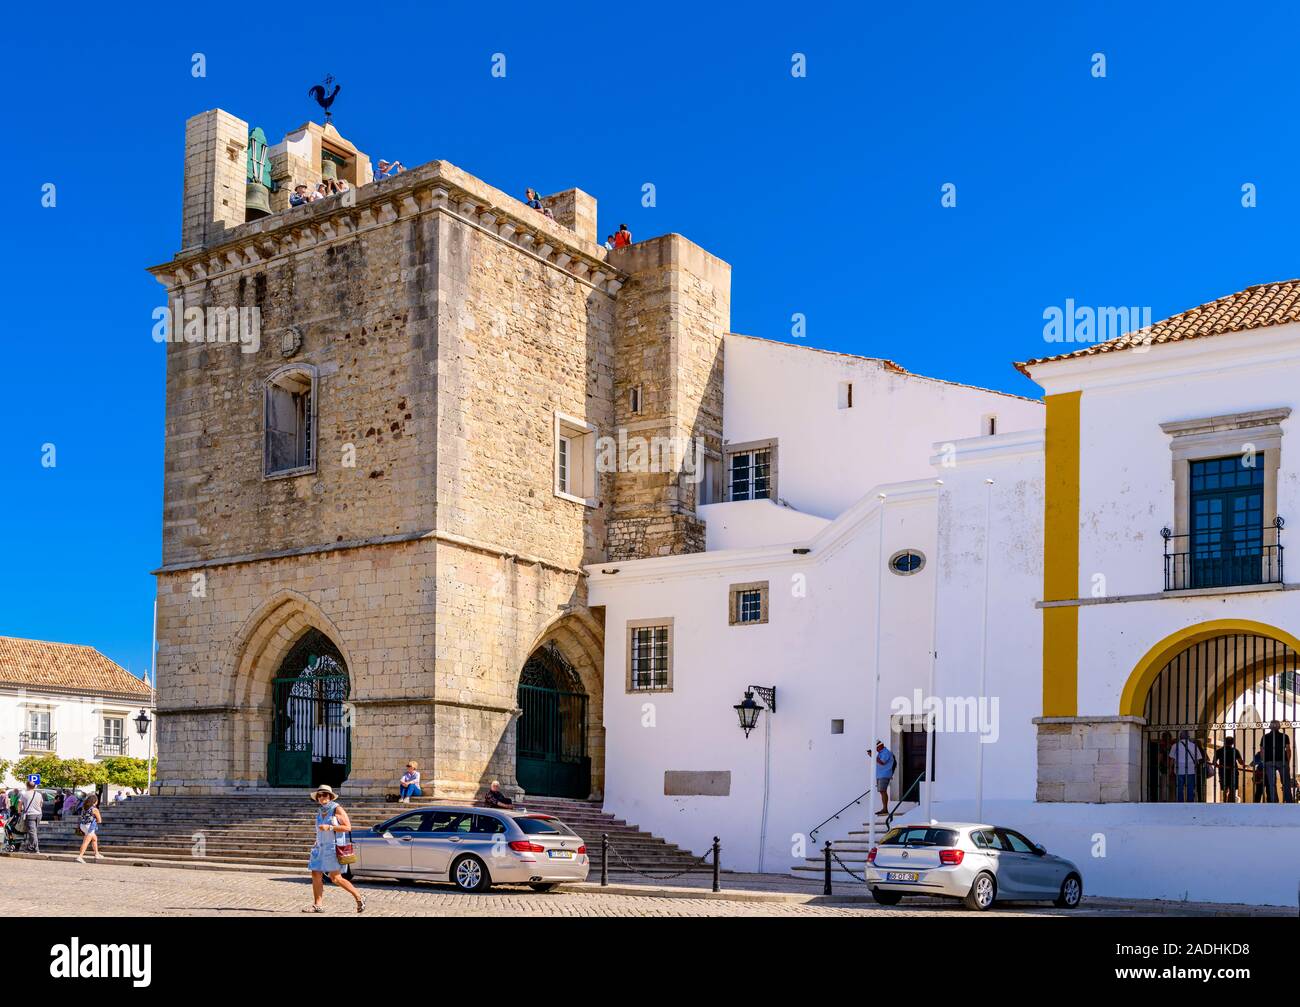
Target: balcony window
<point x="751" y="471"/>
<point x="1228" y="543"/>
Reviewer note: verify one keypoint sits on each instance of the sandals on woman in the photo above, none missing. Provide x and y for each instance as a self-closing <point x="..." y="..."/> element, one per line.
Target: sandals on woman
<point x="313" y="909"/>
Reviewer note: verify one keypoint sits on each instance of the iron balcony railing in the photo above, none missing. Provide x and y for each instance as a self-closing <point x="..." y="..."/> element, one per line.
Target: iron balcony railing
<point x="1224" y="558"/>
<point x="109" y="746"/>
<point x="37" y="741"/>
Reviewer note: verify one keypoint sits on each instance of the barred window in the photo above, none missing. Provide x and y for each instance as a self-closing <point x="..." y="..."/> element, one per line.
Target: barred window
<point x="751" y="471"/>
<point x="649" y="657"/>
<point x="748" y="604"/>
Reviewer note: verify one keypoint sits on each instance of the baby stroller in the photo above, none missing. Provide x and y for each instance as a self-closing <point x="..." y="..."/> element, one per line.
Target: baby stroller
<point x="15" y="833"/>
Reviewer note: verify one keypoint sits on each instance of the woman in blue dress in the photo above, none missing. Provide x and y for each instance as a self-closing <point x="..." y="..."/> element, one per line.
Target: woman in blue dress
<point x="331" y="822"/>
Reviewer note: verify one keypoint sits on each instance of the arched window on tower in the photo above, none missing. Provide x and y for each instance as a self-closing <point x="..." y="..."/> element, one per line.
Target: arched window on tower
<point x="289" y="421"/>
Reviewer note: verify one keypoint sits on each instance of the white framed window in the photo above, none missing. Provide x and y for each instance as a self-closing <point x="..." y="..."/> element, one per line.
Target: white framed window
<point x="650" y="655"/>
<point x="575" y="460"/>
<point x="751" y="471"/>
<point x="289" y="422"/>
<point x="38" y="721"/>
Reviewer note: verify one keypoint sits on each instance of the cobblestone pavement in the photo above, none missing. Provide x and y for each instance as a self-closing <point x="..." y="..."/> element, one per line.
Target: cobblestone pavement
<point x="63" y="888"/>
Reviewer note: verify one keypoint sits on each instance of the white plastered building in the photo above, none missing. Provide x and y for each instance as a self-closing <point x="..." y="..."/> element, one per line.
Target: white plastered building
<point x="888" y="540"/>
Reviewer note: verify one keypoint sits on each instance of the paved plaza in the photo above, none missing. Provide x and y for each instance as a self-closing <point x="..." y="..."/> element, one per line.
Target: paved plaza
<point x="59" y="887"/>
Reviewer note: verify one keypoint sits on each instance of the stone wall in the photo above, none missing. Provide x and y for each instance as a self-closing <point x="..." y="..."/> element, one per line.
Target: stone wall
<point x="1093" y="760"/>
<point x="446" y="324"/>
<point x="671" y="318"/>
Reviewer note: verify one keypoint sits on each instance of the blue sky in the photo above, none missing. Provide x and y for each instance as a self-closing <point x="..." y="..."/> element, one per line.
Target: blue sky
<point x="822" y="192"/>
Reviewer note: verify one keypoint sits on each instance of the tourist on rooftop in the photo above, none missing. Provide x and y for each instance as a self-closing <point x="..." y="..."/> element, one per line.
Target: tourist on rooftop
<point x="531" y="198"/>
<point x="299" y="196"/>
<point x="623" y="237"/>
<point x="609" y="242"/>
<point x="388" y="168"/>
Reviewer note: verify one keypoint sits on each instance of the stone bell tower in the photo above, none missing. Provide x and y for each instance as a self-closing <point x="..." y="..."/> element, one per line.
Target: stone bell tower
<point x="232" y="177"/>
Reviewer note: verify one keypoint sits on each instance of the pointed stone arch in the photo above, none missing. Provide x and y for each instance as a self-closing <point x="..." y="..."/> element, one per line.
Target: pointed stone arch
<point x="579" y="635"/>
<point x="259" y="649"/>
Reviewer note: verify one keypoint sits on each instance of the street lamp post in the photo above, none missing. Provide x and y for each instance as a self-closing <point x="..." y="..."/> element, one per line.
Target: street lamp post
<point x="142" y="723"/>
<point x="747" y="710"/>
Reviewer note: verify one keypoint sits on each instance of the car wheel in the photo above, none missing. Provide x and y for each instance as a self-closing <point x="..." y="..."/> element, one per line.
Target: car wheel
<point x="347" y="872"/>
<point x="886" y="898"/>
<point x="545" y="887"/>
<point x="983" y="892"/>
<point x="1071" y="892"/>
<point x="469" y="874"/>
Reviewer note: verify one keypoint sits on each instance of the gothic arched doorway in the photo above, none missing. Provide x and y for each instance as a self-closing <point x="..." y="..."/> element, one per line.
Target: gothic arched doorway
<point x="311" y="731"/>
<point x="551" y="735"/>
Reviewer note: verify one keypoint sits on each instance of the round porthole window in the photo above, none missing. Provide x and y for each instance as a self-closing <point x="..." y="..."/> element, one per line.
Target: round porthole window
<point x="906" y="561"/>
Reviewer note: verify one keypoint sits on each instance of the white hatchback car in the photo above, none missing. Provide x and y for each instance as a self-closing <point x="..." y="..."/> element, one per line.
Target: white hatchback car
<point x="978" y="864"/>
<point x="473" y="848"/>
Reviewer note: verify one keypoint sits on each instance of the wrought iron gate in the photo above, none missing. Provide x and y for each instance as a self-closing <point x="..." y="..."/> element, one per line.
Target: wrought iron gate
<point x="311" y="729"/>
<point x="551" y="735"/>
<point x="1209" y="715"/>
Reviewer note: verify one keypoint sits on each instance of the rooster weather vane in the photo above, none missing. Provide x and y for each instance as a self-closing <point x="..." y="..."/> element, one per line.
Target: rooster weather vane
<point x="323" y="99"/>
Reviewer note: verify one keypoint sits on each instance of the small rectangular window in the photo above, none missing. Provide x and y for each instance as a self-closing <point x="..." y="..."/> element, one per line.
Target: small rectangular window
<point x="575" y="460"/>
<point x="837" y="727"/>
<point x="649" y="656"/>
<point x="989" y="425"/>
<point x="634" y="400"/>
<point x="846" y="395"/>
<point x="748" y="604"/>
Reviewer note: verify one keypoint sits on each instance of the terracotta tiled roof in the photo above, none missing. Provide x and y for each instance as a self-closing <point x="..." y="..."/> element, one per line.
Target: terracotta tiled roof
<point x="72" y="667"/>
<point x="1252" y="308"/>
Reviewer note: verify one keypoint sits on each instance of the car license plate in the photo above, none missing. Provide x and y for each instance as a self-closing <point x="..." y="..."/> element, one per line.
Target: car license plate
<point x="901" y="876"/>
<point x="561" y="854"/>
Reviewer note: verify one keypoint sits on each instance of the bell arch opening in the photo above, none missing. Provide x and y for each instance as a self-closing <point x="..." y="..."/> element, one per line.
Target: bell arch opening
<point x="1221" y="716"/>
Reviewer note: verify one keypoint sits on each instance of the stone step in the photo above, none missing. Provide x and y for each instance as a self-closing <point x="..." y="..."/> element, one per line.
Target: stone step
<point x="275" y="829"/>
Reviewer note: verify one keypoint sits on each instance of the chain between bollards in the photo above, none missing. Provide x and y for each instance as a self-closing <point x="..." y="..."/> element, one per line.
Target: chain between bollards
<point x="717" y="865"/>
<point x="826" y="852"/>
<point x="604" y="859"/>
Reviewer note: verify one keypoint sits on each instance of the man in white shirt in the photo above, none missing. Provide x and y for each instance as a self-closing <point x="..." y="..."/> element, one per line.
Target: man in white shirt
<point x="31" y="806"/>
<point x="1187" y="759"/>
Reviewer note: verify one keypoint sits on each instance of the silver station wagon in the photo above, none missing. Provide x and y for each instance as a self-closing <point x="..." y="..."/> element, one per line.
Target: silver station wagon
<point x="978" y="864"/>
<point x="473" y="848"/>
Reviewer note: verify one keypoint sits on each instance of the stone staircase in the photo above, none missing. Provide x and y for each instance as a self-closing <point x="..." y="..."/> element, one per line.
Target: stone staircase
<point x="850" y="847"/>
<point x="274" y="829"/>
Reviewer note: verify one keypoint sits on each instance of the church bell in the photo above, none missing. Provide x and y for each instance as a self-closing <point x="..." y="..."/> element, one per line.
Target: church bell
<point x="257" y="202"/>
<point x="329" y="171"/>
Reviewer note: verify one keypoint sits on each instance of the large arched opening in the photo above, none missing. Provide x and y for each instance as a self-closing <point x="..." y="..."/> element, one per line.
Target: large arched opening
<point x="560" y="736"/>
<point x="289" y="668"/>
<point x="1220" y="706"/>
<point x="311" y="728"/>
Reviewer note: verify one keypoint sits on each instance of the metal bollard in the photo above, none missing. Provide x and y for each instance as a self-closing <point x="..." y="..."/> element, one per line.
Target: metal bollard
<point x="826" y="852"/>
<point x="717" y="867"/>
<point x="604" y="858"/>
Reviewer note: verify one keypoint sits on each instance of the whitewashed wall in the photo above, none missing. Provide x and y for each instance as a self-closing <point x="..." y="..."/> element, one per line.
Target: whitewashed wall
<point x="76" y="719"/>
<point x="829" y="458"/>
<point x="1127" y="489"/>
<point x="817" y="649"/>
